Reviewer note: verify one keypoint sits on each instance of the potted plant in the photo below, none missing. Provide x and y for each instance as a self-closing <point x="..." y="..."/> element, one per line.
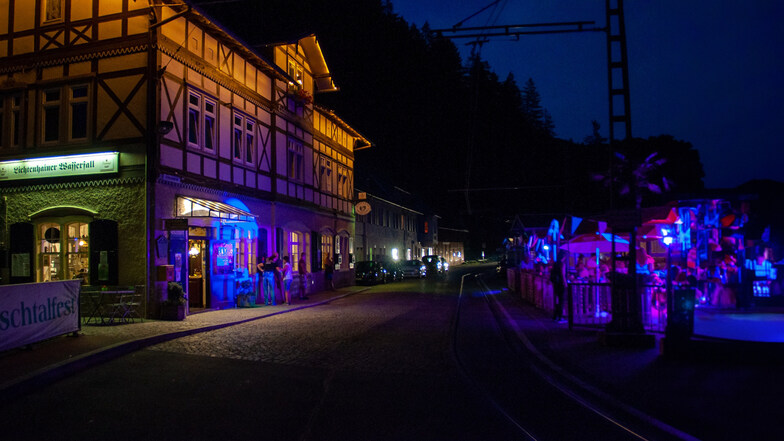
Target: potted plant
<point x="173" y="308"/>
<point x="300" y="95"/>
<point x="245" y="295"/>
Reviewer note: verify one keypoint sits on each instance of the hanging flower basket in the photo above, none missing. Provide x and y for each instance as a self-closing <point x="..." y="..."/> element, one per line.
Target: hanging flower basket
<point x="300" y="95"/>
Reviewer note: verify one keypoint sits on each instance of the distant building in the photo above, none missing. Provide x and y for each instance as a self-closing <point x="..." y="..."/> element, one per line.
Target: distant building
<point x="387" y="230"/>
<point x="136" y="135"/>
<point x="392" y="225"/>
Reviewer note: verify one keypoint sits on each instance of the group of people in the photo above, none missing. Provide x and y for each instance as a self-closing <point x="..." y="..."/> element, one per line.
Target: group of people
<point x="277" y="278"/>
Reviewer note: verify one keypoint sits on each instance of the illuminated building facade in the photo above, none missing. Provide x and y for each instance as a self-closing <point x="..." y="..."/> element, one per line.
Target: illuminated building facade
<point x="139" y="133"/>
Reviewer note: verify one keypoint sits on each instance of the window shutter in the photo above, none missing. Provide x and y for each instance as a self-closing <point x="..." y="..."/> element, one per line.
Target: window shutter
<point x="22" y="248"/>
<point x="315" y="252"/>
<point x="279" y="241"/>
<point x="263" y="250"/>
<point x="104" y="267"/>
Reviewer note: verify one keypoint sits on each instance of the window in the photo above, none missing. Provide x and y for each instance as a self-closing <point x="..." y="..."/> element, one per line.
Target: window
<point x="62" y="256"/>
<point x="295" y="72"/>
<point x="295" y="248"/>
<point x="10" y="121"/>
<point x="201" y="121"/>
<point x="243" y="139"/>
<point x="237" y="139"/>
<point x="209" y="125"/>
<point x="194" y="118"/>
<point x="53" y="10"/>
<point x="51" y="115"/>
<point x="343" y="190"/>
<point x="325" y="174"/>
<point x="249" y="141"/>
<point x="294" y="160"/>
<point x="326" y="247"/>
<point x="78" y="98"/>
<point x="68" y="104"/>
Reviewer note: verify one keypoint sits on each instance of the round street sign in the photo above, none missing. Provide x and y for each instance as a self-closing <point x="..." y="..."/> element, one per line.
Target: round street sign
<point x="362" y="208"/>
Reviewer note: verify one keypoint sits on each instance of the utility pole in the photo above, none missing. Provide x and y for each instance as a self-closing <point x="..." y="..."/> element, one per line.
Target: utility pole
<point x="617" y="64"/>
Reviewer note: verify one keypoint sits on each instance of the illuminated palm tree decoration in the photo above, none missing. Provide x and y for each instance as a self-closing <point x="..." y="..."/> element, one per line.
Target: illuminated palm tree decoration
<point x="632" y="178"/>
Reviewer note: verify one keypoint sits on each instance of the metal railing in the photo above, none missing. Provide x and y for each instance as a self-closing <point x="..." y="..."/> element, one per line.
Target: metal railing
<point x="588" y="304"/>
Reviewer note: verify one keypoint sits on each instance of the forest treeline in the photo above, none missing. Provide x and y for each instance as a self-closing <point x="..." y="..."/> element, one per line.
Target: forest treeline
<point x="476" y="147"/>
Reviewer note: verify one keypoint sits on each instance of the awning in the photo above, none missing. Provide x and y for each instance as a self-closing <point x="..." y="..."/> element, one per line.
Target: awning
<point x="195" y="207"/>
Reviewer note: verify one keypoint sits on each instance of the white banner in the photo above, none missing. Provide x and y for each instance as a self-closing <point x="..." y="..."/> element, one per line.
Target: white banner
<point x="33" y="312"/>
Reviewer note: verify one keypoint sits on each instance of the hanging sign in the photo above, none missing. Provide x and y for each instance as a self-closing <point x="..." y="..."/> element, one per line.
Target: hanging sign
<point x="362" y="208"/>
<point x="60" y="166"/>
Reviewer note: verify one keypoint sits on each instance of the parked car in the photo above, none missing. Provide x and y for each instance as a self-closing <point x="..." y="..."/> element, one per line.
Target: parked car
<point x="394" y="271"/>
<point x="369" y="272"/>
<point x="413" y="268"/>
<point x="433" y="266"/>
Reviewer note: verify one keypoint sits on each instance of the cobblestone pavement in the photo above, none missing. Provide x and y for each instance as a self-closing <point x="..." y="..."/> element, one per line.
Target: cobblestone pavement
<point x="362" y="332"/>
<point x="19" y="363"/>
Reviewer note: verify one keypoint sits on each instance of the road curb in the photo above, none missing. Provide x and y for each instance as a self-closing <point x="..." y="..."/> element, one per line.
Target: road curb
<point x="50" y="374"/>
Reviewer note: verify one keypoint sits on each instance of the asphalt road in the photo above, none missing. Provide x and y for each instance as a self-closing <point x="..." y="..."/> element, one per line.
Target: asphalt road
<point x="404" y="361"/>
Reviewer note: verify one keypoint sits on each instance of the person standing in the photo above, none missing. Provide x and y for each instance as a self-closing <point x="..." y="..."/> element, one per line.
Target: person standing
<point x="558" y="278"/>
<point x="277" y="266"/>
<point x="329" y="269"/>
<point x="303" y="277"/>
<point x="268" y="282"/>
<point x="260" y="272"/>
<point x="286" y="280"/>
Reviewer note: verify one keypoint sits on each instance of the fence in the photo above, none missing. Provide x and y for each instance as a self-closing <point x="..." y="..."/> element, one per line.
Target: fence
<point x="588" y="304"/>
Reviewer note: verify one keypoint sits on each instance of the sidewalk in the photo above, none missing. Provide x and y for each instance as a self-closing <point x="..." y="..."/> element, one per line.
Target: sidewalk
<point x="715" y="390"/>
<point x="21" y="369"/>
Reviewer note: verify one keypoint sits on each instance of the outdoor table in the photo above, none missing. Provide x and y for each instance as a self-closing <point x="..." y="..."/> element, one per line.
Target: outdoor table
<point x="104" y="306"/>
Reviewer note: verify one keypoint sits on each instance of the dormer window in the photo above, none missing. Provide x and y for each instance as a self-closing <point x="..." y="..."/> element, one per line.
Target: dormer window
<point x="295" y="72"/>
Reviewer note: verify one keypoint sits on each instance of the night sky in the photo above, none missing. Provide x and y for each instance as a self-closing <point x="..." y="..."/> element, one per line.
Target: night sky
<point x="708" y="72"/>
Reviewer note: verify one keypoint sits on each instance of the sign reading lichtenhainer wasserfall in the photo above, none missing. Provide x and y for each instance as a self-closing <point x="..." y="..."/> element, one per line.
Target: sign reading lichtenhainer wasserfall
<point x="60" y="166"/>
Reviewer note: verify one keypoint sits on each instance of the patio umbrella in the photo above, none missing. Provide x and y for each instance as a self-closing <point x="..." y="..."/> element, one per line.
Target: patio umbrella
<point x="590" y="242"/>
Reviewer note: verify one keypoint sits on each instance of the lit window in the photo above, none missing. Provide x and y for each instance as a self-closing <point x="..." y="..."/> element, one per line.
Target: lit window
<point x="295" y="248"/>
<point x="295" y="72"/>
<point x="326" y="247"/>
<point x="62" y="256"/>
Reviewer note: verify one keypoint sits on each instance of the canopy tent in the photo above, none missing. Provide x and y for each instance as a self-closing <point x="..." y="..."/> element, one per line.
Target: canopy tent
<point x="574" y="226"/>
<point x="660" y="215"/>
<point x="590" y="242"/>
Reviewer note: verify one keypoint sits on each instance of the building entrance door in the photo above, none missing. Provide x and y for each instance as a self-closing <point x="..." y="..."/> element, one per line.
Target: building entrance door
<point x="197" y="273"/>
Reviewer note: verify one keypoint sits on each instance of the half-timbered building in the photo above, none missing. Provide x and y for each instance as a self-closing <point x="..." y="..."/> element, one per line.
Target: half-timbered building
<point x="137" y="135"/>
